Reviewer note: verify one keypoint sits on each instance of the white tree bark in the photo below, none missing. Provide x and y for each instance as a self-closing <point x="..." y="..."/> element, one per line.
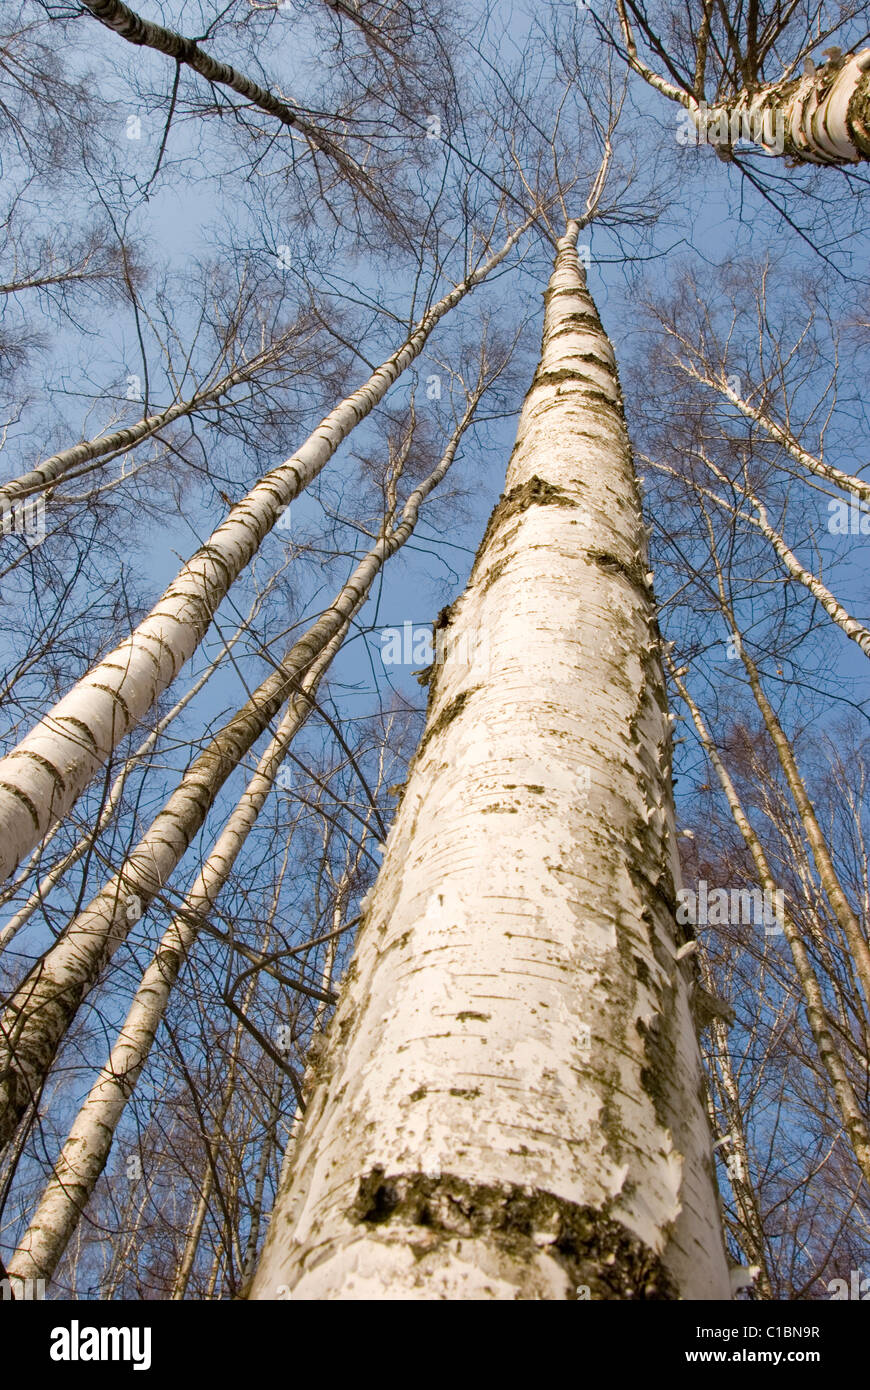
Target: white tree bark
<point x="832" y="606"/>
<point x="752" y="1241"/>
<point x="509" y="1099"/>
<point x="823" y="117"/>
<point x="834" y="609"/>
<point x="42" y="1008"/>
<point x="86" y="1151"/>
<point x="847" y="481"/>
<point x="73" y="459"/>
<point x="853" y="930"/>
<point x="42" y="777"/>
<point x="48" y="882"/>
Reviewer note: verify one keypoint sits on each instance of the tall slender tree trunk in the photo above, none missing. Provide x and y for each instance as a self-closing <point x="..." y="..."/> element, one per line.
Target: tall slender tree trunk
<point x="854" y="1120"/>
<point x="86" y="1151"/>
<point x="109" y="806"/>
<point x="724" y="1081"/>
<point x="851" y="928"/>
<point x="509" y="1100"/>
<point x="41" y="778"/>
<point x="213" y="1146"/>
<point x="41" y="1009"/>
<point x="781" y="435"/>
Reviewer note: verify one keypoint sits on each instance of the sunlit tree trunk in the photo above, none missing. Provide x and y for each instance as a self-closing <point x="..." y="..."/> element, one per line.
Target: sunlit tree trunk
<point x="845" y="620"/>
<point x="509" y="1100"/>
<point x="780" y="434"/>
<point x="41" y="1009"/>
<point x="86" y="1151"/>
<point x="42" y="777"/>
<point x="733" y="1141"/>
<point x="50" y="880"/>
<point x="820" y="118"/>
<point x="852" y="929"/>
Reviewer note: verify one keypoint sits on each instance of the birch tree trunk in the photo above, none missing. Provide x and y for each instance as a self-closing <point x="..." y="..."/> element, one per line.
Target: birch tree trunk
<point x="820" y="118"/>
<point x="782" y="436"/>
<point x="42" y="1008"/>
<point x="83" y="844"/>
<point x="723" y="1080"/>
<point x="792" y="565"/>
<point x="42" y="777"/>
<point x="267" y="1150"/>
<point x="509" y="1099"/>
<point x="851" y="928"/>
<point x="86" y="1151"/>
<point x="78" y="455"/>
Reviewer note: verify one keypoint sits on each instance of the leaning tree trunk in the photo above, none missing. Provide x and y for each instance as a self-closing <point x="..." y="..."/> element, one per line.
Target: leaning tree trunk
<point x="509" y="1101"/>
<point x="43" y="775"/>
<point x="86" y="1152"/>
<point x="822" y="117"/>
<point x="39" y="1012"/>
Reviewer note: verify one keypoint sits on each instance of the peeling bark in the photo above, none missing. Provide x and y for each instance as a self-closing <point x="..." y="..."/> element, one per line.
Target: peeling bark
<point x="509" y="1101"/>
<point x="824" y="117"/>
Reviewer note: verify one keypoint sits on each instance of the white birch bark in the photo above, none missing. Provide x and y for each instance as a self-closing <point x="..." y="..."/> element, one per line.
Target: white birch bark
<point x="823" y="117"/>
<point x="42" y="1008"/>
<point x="86" y="1151"/>
<point x="853" y="932"/>
<point x="509" y="1099"/>
<point x="723" y="1084"/>
<point x="142" y="32"/>
<point x="832" y="606"/>
<point x="42" y="777"/>
<point x="792" y="565"/>
<point x="73" y="459"/>
<point x="66" y="862"/>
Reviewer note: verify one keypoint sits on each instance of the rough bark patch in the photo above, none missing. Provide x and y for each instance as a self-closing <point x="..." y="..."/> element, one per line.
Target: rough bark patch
<point x="594" y="1250"/>
<point x="534" y="492"/>
<point x="447" y="716"/>
<point x="635" y="572"/>
<point x="858" y="119"/>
